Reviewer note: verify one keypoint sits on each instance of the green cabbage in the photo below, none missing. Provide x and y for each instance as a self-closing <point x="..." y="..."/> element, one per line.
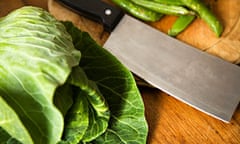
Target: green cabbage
<point x="36" y="56"/>
<point x="49" y="96"/>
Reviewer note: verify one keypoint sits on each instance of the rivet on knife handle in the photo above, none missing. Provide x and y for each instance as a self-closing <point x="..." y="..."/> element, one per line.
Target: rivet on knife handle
<point x="96" y="10"/>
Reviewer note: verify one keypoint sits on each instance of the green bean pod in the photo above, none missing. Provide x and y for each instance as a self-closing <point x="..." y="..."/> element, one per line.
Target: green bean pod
<point x="170" y="2"/>
<point x="138" y="11"/>
<point x="163" y="8"/>
<point x="181" y="24"/>
<point x="205" y="14"/>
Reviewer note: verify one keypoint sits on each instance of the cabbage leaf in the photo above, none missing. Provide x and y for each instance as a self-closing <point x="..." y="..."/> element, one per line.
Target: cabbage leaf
<point x="8" y="133"/>
<point x="127" y="122"/>
<point x="89" y="115"/>
<point x="36" y="56"/>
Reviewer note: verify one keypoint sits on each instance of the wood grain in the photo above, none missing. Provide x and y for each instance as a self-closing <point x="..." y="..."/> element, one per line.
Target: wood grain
<point x="171" y="121"/>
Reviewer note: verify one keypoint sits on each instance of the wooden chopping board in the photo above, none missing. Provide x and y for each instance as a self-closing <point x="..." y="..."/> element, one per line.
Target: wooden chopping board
<point x="171" y="121"/>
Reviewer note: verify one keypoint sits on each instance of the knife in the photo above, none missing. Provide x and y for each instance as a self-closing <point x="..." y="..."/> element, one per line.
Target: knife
<point x="192" y="76"/>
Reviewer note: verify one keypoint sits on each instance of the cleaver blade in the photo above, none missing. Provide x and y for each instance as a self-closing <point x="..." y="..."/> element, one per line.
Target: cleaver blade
<point x="192" y="76"/>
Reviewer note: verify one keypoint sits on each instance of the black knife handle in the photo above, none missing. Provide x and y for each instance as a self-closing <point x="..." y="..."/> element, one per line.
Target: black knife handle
<point x="96" y="10"/>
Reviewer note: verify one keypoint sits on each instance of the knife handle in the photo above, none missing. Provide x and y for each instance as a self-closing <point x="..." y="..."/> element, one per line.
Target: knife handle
<point x="96" y="10"/>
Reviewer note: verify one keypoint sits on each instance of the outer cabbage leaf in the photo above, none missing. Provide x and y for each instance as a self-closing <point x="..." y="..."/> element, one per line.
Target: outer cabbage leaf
<point x="6" y="138"/>
<point x="88" y="118"/>
<point x="36" y="56"/>
<point x="11" y="127"/>
<point x="76" y="120"/>
<point x="63" y="98"/>
<point x="127" y="122"/>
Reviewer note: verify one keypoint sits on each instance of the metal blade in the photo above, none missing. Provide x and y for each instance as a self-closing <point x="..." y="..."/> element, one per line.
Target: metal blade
<point x="203" y="81"/>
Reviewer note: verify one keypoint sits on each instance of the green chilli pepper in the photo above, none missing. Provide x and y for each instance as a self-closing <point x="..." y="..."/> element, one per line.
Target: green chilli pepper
<point x="170" y="2"/>
<point x="153" y="10"/>
<point x="163" y="8"/>
<point x="205" y="14"/>
<point x="138" y="11"/>
<point x="180" y="24"/>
